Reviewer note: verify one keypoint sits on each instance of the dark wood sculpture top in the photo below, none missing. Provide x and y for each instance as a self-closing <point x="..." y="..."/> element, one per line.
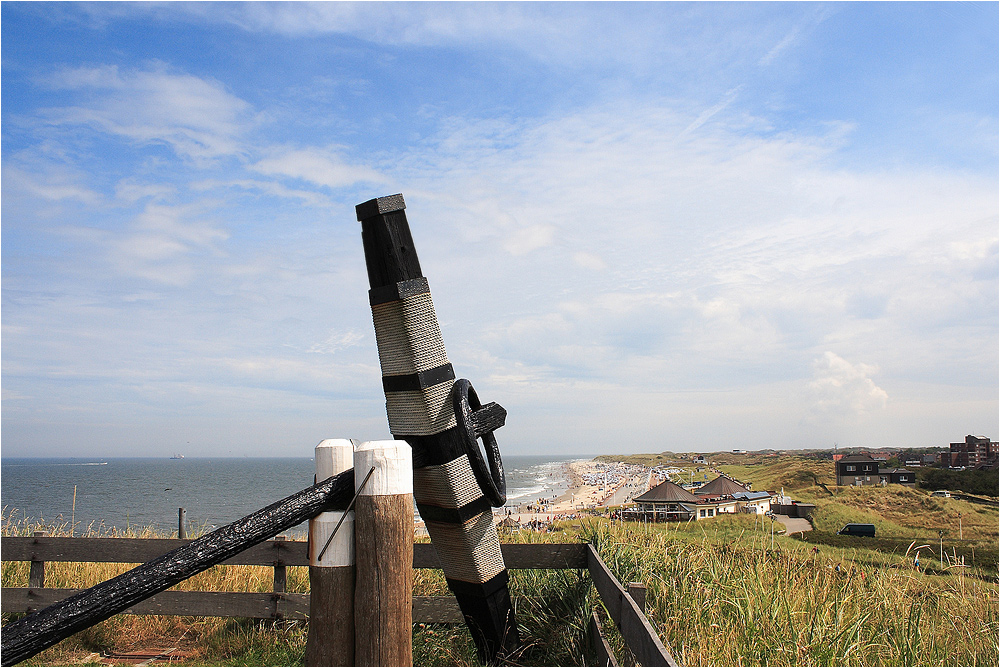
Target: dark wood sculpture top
<point x="389" y="251"/>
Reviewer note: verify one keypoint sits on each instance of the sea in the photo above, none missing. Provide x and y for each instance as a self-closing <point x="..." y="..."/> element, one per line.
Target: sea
<point x="95" y="494"/>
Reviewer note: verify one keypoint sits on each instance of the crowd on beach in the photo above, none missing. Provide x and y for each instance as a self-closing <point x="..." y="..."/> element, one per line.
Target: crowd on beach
<point x="593" y="486"/>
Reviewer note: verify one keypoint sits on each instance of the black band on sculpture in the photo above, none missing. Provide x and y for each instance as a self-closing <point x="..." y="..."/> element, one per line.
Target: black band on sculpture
<point x="398" y="291"/>
<point x="454" y="515"/>
<point x="478" y="589"/>
<point x="418" y="381"/>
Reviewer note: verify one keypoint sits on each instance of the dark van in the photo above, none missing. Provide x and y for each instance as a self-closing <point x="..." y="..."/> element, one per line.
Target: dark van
<point x="857" y="530"/>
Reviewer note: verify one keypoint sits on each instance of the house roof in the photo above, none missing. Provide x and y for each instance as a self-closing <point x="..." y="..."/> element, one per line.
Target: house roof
<point x="721" y="486"/>
<point x="856" y="458"/>
<point x="666" y="492"/>
<point x="750" y="496"/>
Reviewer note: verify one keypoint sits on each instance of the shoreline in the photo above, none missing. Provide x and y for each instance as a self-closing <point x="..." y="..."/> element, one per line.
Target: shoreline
<point x="586" y="491"/>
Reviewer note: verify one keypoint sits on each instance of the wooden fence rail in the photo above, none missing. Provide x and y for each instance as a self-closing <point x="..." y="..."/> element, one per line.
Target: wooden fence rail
<point x="278" y="554"/>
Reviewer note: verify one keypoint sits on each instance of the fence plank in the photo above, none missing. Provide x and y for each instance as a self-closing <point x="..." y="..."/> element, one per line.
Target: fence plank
<point x="426" y="609"/>
<point x="602" y="650"/>
<point x="268" y="553"/>
<point x="635" y="628"/>
<point x="139" y="550"/>
<point x="527" y="555"/>
<point x="545" y="555"/>
<point x="436" y="610"/>
<point x="189" y="603"/>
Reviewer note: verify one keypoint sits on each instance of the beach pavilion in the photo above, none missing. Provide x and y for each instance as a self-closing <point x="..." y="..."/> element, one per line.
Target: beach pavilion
<point x="667" y="501"/>
<point x="721" y="487"/>
<point x="724" y="492"/>
<point x="732" y="497"/>
<point x="670" y="502"/>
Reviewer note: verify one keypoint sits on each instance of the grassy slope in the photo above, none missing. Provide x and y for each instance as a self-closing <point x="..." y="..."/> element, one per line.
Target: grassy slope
<point x="901" y="514"/>
<point x="718" y="594"/>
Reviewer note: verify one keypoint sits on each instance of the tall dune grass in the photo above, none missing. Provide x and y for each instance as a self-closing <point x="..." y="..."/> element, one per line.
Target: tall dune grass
<point x="720" y="601"/>
<point x="717" y="594"/>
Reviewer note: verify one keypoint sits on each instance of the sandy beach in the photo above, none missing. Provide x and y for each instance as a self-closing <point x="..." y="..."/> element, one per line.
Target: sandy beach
<point x="586" y="490"/>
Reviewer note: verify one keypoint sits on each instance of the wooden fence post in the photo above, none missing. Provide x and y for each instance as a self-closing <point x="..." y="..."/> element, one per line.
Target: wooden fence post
<point x="36" y="572"/>
<point x="181" y="523"/>
<point x="331" y="579"/>
<point x="637" y="591"/>
<point x="280" y="571"/>
<point x="383" y="599"/>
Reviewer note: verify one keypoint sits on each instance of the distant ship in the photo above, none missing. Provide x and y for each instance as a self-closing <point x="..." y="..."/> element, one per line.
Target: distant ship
<point x="177" y="457"/>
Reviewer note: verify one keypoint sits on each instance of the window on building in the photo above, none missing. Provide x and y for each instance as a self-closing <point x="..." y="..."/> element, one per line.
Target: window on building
<point x="852" y="467"/>
<point x="711" y="512"/>
<point x="701" y="513"/>
<point x="902" y="478"/>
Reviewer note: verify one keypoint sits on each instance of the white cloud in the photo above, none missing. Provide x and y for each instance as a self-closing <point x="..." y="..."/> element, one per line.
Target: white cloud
<point x="842" y="389"/>
<point x="129" y="190"/>
<point x="522" y="240"/>
<point x="589" y="261"/>
<point x="50" y="182"/>
<point x="308" y="197"/>
<point x="197" y="117"/>
<point x="160" y="242"/>
<point x="706" y="115"/>
<point x="337" y="341"/>
<point x="318" y="166"/>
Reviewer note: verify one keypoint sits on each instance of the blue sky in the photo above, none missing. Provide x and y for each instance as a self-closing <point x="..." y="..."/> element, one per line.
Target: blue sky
<point x="646" y="226"/>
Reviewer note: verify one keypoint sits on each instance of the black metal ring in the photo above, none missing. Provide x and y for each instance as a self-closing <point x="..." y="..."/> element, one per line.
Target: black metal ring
<point x="492" y="482"/>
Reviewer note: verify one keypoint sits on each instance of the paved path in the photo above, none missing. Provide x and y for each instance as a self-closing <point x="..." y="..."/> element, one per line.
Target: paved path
<point x="794" y="524"/>
<point x="635" y="486"/>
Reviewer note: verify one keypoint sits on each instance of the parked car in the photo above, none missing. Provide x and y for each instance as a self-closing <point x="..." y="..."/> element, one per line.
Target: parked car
<point x="942" y="493"/>
<point x="853" y="529"/>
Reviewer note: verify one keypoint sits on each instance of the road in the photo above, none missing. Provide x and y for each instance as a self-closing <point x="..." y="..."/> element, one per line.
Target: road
<point x="794" y="524"/>
<point x="635" y="486"/>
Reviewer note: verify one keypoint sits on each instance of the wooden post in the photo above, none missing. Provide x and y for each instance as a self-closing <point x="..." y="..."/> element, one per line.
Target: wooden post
<point x="181" y="522"/>
<point x="383" y="599"/>
<point x="602" y="650"/>
<point x="331" y="579"/>
<point x="36" y="572"/>
<point x="280" y="572"/>
<point x="637" y="591"/>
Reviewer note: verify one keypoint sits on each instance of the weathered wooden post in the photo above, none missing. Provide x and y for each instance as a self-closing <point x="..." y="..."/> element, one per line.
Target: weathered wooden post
<point x="383" y="598"/>
<point x="181" y="523"/>
<point x="36" y="572"/>
<point x="637" y="591"/>
<point x="331" y="577"/>
<point x="280" y="580"/>
<point x="442" y="420"/>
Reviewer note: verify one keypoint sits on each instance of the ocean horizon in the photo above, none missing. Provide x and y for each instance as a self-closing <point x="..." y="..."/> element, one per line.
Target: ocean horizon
<point x="99" y="494"/>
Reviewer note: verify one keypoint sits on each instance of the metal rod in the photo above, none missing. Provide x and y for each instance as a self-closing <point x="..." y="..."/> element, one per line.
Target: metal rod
<point x="344" y="516"/>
